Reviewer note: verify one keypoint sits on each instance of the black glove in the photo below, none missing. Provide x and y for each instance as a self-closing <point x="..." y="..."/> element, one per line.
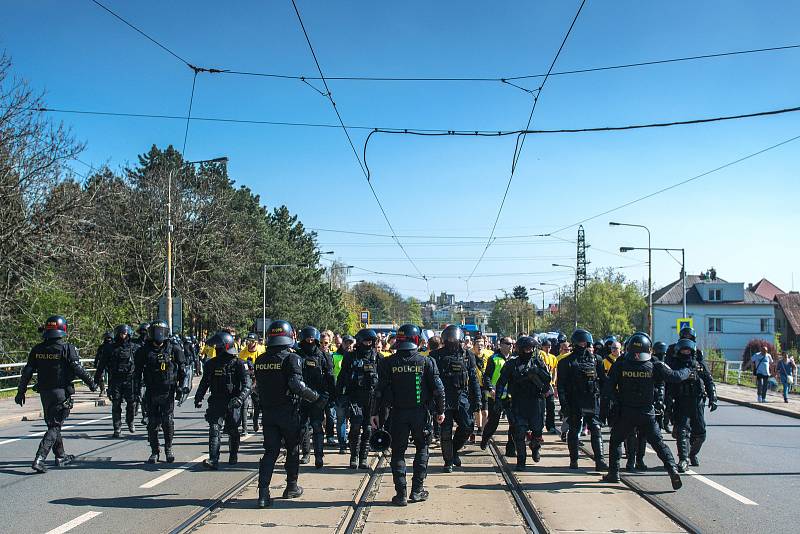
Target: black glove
<point x="235" y="403"/>
<point x="322" y="401"/>
<point x="712" y="403"/>
<point x="20" y="398"/>
<point x="198" y="403"/>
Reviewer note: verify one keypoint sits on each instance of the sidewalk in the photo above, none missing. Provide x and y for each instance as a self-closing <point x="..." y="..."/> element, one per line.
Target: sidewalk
<point x="746" y="396"/>
<point x="10" y="412"/>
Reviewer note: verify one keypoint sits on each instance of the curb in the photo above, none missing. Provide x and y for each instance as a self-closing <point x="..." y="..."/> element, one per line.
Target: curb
<point x="760" y="406"/>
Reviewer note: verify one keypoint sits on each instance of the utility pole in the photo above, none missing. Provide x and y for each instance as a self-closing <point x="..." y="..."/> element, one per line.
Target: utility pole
<point x="649" y="274"/>
<point x="580" y="269"/>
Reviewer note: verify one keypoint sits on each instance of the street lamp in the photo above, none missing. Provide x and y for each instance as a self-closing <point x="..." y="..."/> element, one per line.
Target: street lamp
<point x="683" y="267"/>
<point x="575" y="270"/>
<point x="559" y="291"/>
<point x="649" y="273"/>
<point x="223" y="159"/>
<point x="543" y="292"/>
<point x="335" y="268"/>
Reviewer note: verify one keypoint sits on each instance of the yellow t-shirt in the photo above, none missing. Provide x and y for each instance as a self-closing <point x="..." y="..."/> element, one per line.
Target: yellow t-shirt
<point x="247" y="354"/>
<point x="209" y="351"/>
<point x="550" y="361"/>
<point x="608" y="361"/>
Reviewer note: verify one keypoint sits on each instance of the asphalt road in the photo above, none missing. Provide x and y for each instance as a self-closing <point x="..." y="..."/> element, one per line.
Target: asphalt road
<point x="103" y="486"/>
<point x="749" y="474"/>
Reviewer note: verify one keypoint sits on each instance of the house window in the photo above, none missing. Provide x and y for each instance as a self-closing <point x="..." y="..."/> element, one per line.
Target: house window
<point x="715" y="324"/>
<point x="714" y="295"/>
<point x="764" y="325"/>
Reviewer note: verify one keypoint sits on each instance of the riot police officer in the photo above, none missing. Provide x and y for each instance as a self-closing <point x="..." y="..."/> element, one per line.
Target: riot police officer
<point x="528" y="381"/>
<point x="410" y="388"/>
<point x="660" y="353"/>
<point x="686" y="332"/>
<point x="631" y="390"/>
<point x="141" y="332"/>
<point x="108" y="339"/>
<point x="279" y="378"/>
<point x="56" y="363"/>
<point x="189" y="352"/>
<point x="688" y="400"/>
<point x="229" y="381"/>
<point x="355" y="389"/>
<point x="160" y="367"/>
<point x="580" y="378"/>
<point x="495" y="404"/>
<point x="318" y="374"/>
<point x="139" y="341"/>
<point x="462" y="393"/>
<point x="118" y="359"/>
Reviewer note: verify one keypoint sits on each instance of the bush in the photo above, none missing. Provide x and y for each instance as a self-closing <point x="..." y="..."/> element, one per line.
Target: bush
<point x="755" y="345"/>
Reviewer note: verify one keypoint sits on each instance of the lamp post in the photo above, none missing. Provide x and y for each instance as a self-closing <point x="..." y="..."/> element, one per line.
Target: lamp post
<point x="649" y="273"/>
<point x="559" y="291"/>
<point x="575" y="270"/>
<point x="335" y="268"/>
<point x="683" y="266"/>
<point x="543" y="292"/>
<point x="223" y="159"/>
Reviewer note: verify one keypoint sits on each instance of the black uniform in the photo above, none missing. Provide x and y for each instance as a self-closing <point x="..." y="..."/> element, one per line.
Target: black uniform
<point x="279" y="378"/>
<point x="527" y="379"/>
<point x="355" y="388"/>
<point x="118" y="359"/>
<point x="408" y="384"/>
<point x="629" y="395"/>
<point x="162" y="371"/>
<point x="688" y="407"/>
<point x="56" y="364"/>
<point x="496" y="405"/>
<point x="191" y="355"/>
<point x="462" y="393"/>
<point x="99" y="379"/>
<point x="671" y="359"/>
<point x="318" y="375"/>
<point x="580" y="378"/>
<point x="229" y="381"/>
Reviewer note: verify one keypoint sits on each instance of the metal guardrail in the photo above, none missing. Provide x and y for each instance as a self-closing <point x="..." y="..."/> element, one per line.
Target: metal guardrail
<point x="21" y="365"/>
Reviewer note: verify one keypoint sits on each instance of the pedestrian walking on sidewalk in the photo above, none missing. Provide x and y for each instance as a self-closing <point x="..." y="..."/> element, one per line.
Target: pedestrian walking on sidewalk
<point x="787" y="370"/>
<point x="761" y="362"/>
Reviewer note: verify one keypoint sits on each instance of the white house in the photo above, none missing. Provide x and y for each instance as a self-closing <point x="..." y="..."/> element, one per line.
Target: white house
<point x="726" y="315"/>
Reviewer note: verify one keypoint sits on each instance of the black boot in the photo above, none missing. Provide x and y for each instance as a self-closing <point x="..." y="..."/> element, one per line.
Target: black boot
<point x="597" y="451"/>
<point x="264" y="500"/>
<point x="362" y="461"/>
<point x="695" y="444"/>
<point x="212" y="462"/>
<point x="573" y="454"/>
<point x="131" y="427"/>
<point x="400" y="498"/>
<point x="305" y="458"/>
<point x="683" y="466"/>
<point x="292" y="491"/>
<point x="536" y="451"/>
<point x="611" y="476"/>
<point x="456" y="459"/>
<point x="117" y="431"/>
<point x="153" y="456"/>
<point x="169" y="457"/>
<point x="233" y="453"/>
<point x="64" y="460"/>
<point x="674" y="477"/>
<point x="418" y="495"/>
<point x="640" y="465"/>
<point x="38" y="464"/>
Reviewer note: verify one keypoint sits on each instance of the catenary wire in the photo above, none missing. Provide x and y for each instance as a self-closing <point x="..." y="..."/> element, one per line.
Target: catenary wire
<point x="521" y="141"/>
<point x="350" y="141"/>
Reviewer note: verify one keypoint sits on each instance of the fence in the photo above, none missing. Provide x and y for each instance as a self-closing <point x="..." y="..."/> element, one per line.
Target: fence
<point x="12" y="372"/>
<point x="734" y="372"/>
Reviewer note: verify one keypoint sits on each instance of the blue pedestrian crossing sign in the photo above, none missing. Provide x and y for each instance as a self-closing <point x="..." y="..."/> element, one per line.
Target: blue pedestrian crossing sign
<point x="684" y="322"/>
<point x="364" y="317"/>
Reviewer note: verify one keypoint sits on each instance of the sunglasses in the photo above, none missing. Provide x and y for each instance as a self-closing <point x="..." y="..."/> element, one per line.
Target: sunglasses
<point x="506" y="343"/>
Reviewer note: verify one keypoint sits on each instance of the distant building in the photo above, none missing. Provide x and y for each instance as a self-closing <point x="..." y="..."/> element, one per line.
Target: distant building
<point x="726" y="315"/>
<point x="766" y="289"/>
<point x="787" y="319"/>
<point x="445" y="299"/>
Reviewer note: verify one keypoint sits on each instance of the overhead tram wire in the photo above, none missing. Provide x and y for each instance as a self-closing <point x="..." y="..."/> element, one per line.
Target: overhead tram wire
<point x="350" y="140"/>
<point x="521" y="141"/>
<point x="678" y="184"/>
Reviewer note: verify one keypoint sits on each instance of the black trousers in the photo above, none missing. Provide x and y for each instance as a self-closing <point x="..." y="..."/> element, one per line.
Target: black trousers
<point x="120" y="391"/>
<point x="160" y="409"/>
<point x="550" y="419"/>
<point x="576" y="420"/>
<point x="413" y="422"/>
<point x="360" y="429"/>
<point x="254" y="398"/>
<point x="281" y="424"/>
<point x="453" y="441"/>
<point x="491" y="427"/>
<point x="627" y="423"/>
<point x="56" y="405"/>
<point x="531" y="419"/>
<point x="690" y="425"/>
<point x="220" y="417"/>
<point x="313" y="431"/>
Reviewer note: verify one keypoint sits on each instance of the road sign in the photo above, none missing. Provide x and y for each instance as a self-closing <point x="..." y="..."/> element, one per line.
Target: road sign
<point x="365" y="317"/>
<point x="684" y="322"/>
<point x="177" y="312"/>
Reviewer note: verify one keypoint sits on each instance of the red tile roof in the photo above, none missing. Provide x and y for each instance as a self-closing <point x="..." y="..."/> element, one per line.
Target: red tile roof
<point x="766" y="289"/>
<point x="790" y="304"/>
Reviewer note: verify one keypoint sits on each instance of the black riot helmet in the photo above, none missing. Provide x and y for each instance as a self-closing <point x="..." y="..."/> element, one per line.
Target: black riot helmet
<point x="638" y="344"/>
<point x="159" y="331"/>
<point x="598" y="347"/>
<point x="309" y="332"/>
<point x="380" y="440"/>
<point x="108" y="335"/>
<point x="55" y="327"/>
<point x="609" y="341"/>
<point x="121" y="331"/>
<point x="581" y="336"/>
<point x="279" y="334"/>
<point x="526" y="345"/>
<point x="688" y="333"/>
<point x="366" y="334"/>
<point x="659" y="348"/>
<point x="407" y="337"/>
<point x="684" y="344"/>
<point x="224" y="343"/>
<point x="452" y="336"/>
<point x="562" y="337"/>
<point x="143" y="329"/>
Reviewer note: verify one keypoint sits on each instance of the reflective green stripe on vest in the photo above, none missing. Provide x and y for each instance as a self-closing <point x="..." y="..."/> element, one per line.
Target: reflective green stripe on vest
<point x="498" y="366"/>
<point x="337" y="364"/>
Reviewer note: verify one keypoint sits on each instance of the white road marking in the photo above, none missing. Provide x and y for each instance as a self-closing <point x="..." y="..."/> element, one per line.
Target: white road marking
<point x="68" y="427"/>
<point x="81" y="519"/>
<point x="719" y="487"/>
<point x="169" y="474"/>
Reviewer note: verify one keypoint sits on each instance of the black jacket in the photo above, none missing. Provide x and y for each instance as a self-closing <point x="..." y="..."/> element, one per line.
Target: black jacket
<point x="407" y="379"/>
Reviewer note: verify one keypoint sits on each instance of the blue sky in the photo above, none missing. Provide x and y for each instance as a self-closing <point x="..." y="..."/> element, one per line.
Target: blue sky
<point x="742" y="220"/>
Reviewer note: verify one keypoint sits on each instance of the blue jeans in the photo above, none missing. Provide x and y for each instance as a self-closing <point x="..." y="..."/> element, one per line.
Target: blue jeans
<point x="341" y="423"/>
<point x="762" y="383"/>
<point x="786" y="388"/>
